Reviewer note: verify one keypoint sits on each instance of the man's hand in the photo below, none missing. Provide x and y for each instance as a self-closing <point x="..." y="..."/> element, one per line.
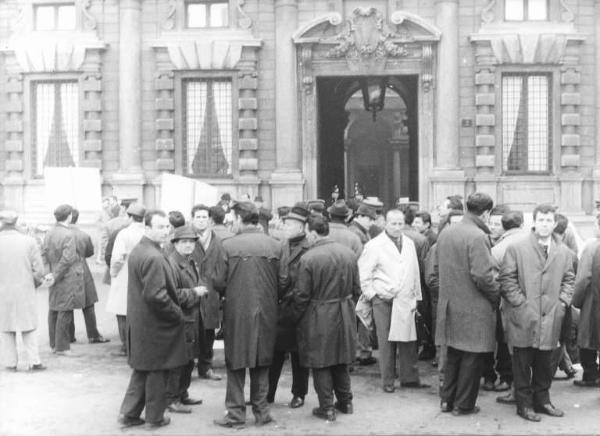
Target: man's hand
<point x="48" y="280"/>
<point x="201" y="291"/>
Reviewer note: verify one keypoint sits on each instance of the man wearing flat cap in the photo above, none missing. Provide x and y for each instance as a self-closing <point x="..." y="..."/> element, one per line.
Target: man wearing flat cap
<point x="250" y="285"/>
<point x="338" y="230"/>
<point x="21" y="271"/>
<point x="293" y="249"/>
<point x="125" y="240"/>
<point x="317" y="207"/>
<point x="67" y="292"/>
<point x="190" y="290"/>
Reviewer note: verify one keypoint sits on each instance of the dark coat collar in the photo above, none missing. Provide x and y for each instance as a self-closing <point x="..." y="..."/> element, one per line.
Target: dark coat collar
<point x="476" y="221"/>
<point x="147" y="241"/>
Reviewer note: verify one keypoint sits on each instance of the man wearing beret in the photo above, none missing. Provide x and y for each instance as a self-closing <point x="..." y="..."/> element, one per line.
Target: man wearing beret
<point x="293" y="249"/>
<point x="190" y="290"/>
<point x="250" y="283"/>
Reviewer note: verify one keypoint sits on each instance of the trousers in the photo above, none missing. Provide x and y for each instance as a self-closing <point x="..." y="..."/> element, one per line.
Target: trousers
<point x="389" y="352"/>
<point x="206" y="341"/>
<point x="461" y="378"/>
<point x="121" y="323"/>
<point x="59" y="329"/>
<point x="179" y="381"/>
<point x="234" y="396"/>
<point x="299" y="375"/>
<point x="589" y="363"/>
<point x="91" y="328"/>
<point x="30" y="345"/>
<point x="147" y="389"/>
<point x="532" y="371"/>
<point x="330" y="380"/>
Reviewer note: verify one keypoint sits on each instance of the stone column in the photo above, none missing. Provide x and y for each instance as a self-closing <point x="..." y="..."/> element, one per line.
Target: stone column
<point x="286" y="181"/>
<point x="596" y="172"/>
<point x="447" y="86"/>
<point x="129" y="180"/>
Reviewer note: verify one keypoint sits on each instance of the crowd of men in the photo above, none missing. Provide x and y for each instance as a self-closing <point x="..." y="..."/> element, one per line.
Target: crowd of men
<point x="326" y="283"/>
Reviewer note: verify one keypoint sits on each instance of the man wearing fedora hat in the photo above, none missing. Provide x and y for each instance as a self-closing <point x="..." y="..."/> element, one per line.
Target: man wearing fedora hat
<point x="190" y="290"/>
<point x="293" y="249"/>
<point x="338" y="230"/>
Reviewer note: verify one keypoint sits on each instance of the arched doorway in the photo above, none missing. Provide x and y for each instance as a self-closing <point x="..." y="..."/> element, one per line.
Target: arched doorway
<point x="379" y="156"/>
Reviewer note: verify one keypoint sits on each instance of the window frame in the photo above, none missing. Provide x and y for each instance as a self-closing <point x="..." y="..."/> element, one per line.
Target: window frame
<point x="206" y="2"/>
<point x="55" y="4"/>
<point x="553" y="124"/>
<point x="549" y="14"/>
<point x="29" y="166"/>
<point x="180" y="122"/>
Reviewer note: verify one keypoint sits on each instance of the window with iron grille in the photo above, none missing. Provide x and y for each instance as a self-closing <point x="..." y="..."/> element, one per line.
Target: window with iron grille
<point x="526" y="123"/>
<point x="207" y="13"/>
<point x="207" y="127"/>
<point x="526" y="10"/>
<point x="55" y="125"/>
<point x="55" y="16"/>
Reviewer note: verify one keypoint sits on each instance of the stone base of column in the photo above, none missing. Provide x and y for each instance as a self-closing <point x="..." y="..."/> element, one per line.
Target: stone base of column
<point x="128" y="185"/>
<point x="287" y="187"/>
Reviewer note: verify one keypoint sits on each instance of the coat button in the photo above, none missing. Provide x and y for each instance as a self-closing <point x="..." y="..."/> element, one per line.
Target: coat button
<point x="544" y="314"/>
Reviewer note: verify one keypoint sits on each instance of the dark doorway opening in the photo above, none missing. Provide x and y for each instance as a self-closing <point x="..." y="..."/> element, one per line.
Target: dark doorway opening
<point x="380" y="156"/>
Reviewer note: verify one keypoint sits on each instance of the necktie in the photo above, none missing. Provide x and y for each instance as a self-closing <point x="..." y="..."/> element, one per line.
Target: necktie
<point x="545" y="251"/>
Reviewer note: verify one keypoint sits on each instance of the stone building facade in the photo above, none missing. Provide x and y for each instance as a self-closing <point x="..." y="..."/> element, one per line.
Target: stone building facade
<point x="264" y="97"/>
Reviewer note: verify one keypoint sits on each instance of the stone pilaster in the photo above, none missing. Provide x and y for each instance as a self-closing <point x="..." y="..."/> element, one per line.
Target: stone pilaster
<point x="129" y="180"/>
<point x="287" y="180"/>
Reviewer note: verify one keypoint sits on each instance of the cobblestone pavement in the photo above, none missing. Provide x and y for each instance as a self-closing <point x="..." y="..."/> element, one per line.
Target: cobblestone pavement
<point x="81" y="395"/>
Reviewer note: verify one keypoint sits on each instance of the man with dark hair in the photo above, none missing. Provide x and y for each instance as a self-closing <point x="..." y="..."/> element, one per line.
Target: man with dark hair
<point x="124" y="242"/>
<point x="208" y="255"/>
<point x="327" y="288"/>
<point x="422" y="223"/>
<point x="468" y="297"/>
<point x="294" y="247"/>
<point x="495" y="225"/>
<point x="176" y="219"/>
<point x="155" y="326"/>
<point x="217" y="219"/>
<point x="66" y="293"/>
<point x="85" y="249"/>
<point x="249" y="281"/>
<point x="537" y="283"/>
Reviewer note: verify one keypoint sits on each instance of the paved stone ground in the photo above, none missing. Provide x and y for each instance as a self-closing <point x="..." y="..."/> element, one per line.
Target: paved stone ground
<point x="82" y="395"/>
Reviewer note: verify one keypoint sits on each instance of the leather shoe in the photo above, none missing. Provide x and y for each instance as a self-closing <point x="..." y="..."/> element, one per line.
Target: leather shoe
<point x="210" y="375"/>
<point x="446" y="407"/>
<point x="99" y="340"/>
<point x="264" y="421"/>
<point x="570" y="373"/>
<point x="507" y="399"/>
<point x="130" y="421"/>
<point x="296" y="402"/>
<point x="389" y="389"/>
<point x="528" y="414"/>
<point x="488" y="386"/>
<point x="502" y="387"/>
<point x="415" y="385"/>
<point x="190" y="401"/>
<point x="165" y="421"/>
<point x="177" y="407"/>
<point x="367" y="361"/>
<point x="228" y="422"/>
<point x="346" y="408"/>
<point x="549" y="409"/>
<point x="37" y="367"/>
<point x="328" y="415"/>
<point x="587" y="383"/>
<point x="463" y="412"/>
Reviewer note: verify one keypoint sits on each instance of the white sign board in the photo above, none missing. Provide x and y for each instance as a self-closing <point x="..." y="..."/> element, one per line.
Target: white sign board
<point x="79" y="187"/>
<point x="181" y="193"/>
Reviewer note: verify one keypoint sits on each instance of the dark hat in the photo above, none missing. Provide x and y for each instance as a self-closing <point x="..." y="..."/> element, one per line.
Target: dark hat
<point x="245" y="207"/>
<point x="184" y="232"/>
<point x="282" y="211"/>
<point x="126" y="202"/>
<point x="136" y="209"/>
<point x="365" y="210"/>
<point x="258" y="198"/>
<point x="226" y="197"/>
<point x="339" y="209"/>
<point x="300" y="212"/>
<point x="317" y="205"/>
<point x="9" y="217"/>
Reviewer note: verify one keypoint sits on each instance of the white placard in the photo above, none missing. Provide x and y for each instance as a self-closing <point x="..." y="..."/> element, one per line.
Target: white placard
<point x="79" y="187"/>
<point x="181" y="193"/>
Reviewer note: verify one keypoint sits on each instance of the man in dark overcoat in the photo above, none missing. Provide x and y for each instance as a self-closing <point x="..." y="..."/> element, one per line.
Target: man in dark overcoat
<point x="324" y="299"/>
<point x="294" y="248"/>
<point x="66" y="269"/>
<point x="250" y="280"/>
<point x="190" y="290"/>
<point x="587" y="298"/>
<point x="155" y="326"/>
<point x="537" y="281"/>
<point x="208" y="255"/>
<point x="468" y="297"/>
<point x="85" y="249"/>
